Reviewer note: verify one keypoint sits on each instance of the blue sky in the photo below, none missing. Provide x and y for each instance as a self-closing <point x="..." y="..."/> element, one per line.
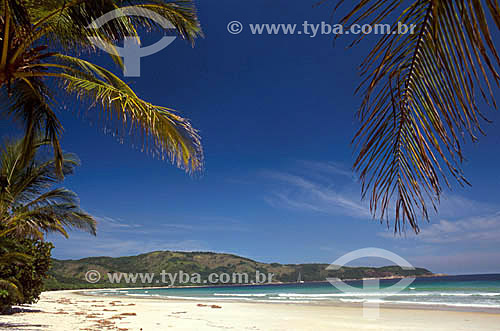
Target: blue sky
<point x="277" y="114"/>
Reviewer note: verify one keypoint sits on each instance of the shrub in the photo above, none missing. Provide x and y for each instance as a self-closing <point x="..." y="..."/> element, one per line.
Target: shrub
<point x="28" y="277"/>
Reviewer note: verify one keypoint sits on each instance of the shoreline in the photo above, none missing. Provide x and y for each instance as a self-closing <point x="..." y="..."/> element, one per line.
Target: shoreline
<point x="382" y="305"/>
<point x="76" y="310"/>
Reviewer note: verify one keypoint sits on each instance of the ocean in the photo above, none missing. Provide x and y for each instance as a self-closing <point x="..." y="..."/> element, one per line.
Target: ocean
<point x="465" y="291"/>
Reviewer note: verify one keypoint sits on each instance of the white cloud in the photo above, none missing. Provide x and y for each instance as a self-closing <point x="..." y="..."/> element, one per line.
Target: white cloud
<point x="211" y="226"/>
<point x="481" y="229"/>
<point x="116" y="237"/>
<point x="331" y="168"/>
<point x="303" y="193"/>
<point x="455" y="206"/>
<point x="322" y="187"/>
<point x="105" y="222"/>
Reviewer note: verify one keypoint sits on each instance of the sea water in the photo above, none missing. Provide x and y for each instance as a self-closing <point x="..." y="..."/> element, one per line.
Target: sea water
<point x="466" y="291"/>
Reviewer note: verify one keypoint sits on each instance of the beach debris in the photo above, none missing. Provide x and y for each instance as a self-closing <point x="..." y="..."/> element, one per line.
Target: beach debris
<point x="211" y="306"/>
<point x="117" y="304"/>
<point x="93" y="315"/>
<point x="105" y="323"/>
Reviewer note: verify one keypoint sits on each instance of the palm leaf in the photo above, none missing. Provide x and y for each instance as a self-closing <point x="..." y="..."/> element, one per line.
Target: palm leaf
<point x="171" y="134"/>
<point x="421" y="101"/>
<point x="14" y="258"/>
<point x="64" y="25"/>
<point x="31" y="104"/>
<point x="29" y="208"/>
<point x="13" y="290"/>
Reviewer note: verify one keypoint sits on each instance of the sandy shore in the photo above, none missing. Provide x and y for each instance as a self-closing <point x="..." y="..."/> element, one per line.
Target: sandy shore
<point x="68" y="311"/>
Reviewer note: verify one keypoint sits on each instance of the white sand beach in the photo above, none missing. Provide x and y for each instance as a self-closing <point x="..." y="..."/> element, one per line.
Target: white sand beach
<point x="69" y="310"/>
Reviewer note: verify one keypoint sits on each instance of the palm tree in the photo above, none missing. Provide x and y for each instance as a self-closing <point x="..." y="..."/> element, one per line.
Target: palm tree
<point x="421" y="100"/>
<point x="29" y="206"/>
<point x="37" y="40"/>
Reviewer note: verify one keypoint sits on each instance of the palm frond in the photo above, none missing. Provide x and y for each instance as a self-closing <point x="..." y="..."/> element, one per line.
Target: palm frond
<point x="31" y="104"/>
<point x="65" y="25"/>
<point x="28" y="205"/>
<point x="13" y="289"/>
<point x="421" y="100"/>
<point x="171" y="134"/>
<point x="58" y="218"/>
<point x="181" y="14"/>
<point x="14" y="258"/>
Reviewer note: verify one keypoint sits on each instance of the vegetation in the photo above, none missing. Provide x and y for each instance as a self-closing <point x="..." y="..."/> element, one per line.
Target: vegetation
<point x="422" y="94"/>
<point x="40" y="44"/>
<point x="24" y="280"/>
<point x="37" y="40"/>
<point x="10" y="288"/>
<point x="29" y="209"/>
<point x="70" y="274"/>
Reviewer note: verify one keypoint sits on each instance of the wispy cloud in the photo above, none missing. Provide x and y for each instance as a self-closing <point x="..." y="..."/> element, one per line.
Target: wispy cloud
<point x="455" y="206"/>
<point x="480" y="228"/>
<point x="459" y="219"/>
<point x="118" y="237"/>
<point x="304" y="192"/>
<point x="203" y="224"/>
<point x="330" y="168"/>
<point x="212" y="226"/>
<point x="106" y="222"/>
<point x="467" y="230"/>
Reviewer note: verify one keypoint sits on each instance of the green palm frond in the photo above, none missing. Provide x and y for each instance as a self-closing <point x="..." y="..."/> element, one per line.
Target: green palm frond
<point x="14" y="258"/>
<point x="27" y="181"/>
<point x="53" y="217"/>
<point x="29" y="205"/>
<point x="67" y="21"/>
<point x="181" y="14"/>
<point x="172" y="135"/>
<point x="421" y="94"/>
<point x="12" y="288"/>
<point x="26" y="68"/>
<point x="31" y="104"/>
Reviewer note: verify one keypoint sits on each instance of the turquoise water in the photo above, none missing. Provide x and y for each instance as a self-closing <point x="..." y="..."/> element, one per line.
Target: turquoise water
<point x="470" y="291"/>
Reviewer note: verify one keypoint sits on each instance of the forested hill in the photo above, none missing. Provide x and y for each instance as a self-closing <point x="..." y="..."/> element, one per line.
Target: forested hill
<point x="70" y="274"/>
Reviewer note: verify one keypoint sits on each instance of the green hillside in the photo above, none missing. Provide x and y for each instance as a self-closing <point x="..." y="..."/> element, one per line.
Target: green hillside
<point x="70" y="274"/>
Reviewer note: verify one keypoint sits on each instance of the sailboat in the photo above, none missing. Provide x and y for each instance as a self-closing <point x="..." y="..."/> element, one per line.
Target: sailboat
<point x="299" y="279"/>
